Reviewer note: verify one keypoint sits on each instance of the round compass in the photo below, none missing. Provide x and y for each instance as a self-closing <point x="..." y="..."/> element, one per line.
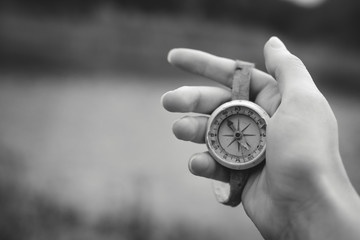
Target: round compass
<point x="236" y="134"/>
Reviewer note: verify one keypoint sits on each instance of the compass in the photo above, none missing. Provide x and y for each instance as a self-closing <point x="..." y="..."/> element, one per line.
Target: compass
<point x="236" y="136"/>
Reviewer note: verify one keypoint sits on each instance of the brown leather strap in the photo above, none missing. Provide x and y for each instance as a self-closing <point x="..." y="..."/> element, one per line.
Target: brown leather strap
<point x="230" y="194"/>
<point x="238" y="180"/>
<point x="241" y="80"/>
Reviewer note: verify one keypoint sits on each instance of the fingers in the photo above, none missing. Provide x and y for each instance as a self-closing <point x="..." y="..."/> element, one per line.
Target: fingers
<point x="204" y="64"/>
<point x="206" y="99"/>
<point x="289" y="71"/>
<point x="195" y="99"/>
<point x="191" y="128"/>
<point x="216" y="68"/>
<point x="202" y="164"/>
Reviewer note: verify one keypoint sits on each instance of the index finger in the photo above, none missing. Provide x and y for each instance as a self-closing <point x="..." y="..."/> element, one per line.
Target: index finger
<point x="216" y="68"/>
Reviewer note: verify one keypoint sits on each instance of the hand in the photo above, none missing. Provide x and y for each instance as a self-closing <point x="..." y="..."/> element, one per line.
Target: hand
<point x="303" y="191"/>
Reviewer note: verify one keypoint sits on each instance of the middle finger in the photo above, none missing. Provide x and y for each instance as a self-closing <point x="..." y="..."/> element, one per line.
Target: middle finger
<point x="195" y="99"/>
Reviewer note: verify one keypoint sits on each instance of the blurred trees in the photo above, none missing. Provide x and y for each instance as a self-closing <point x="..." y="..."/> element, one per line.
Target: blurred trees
<point x="337" y="20"/>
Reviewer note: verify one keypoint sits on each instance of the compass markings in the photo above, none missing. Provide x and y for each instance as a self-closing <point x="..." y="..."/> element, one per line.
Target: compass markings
<point x="232" y="138"/>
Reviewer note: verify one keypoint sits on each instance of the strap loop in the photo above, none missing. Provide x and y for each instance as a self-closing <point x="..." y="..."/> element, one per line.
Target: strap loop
<point x="241" y="80"/>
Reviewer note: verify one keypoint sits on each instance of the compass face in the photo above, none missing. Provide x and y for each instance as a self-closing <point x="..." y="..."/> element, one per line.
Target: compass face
<point x="236" y="134"/>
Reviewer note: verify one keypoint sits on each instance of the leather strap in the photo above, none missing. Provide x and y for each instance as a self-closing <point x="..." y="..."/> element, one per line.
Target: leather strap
<point x="230" y="194"/>
<point x="241" y="80"/>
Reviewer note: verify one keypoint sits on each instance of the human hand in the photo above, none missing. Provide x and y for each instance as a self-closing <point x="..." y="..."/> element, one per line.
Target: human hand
<point x="300" y="193"/>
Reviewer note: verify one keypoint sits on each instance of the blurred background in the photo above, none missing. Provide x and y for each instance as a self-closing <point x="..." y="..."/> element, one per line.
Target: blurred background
<point x="86" y="150"/>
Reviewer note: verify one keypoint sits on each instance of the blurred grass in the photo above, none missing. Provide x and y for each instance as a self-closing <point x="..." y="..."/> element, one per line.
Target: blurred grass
<point x="32" y="216"/>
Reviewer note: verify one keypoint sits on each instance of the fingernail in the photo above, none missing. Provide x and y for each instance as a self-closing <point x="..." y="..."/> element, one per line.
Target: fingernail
<point x="169" y="56"/>
<point x="165" y="100"/>
<point x="162" y="98"/>
<point x="275" y="42"/>
<point x="190" y="164"/>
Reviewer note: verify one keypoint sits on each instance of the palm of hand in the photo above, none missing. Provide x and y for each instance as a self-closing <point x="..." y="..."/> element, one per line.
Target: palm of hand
<point x="293" y="136"/>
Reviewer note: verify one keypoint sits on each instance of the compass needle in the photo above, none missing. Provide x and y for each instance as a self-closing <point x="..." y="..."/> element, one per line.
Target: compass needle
<point x="230" y="124"/>
<point x="245" y="145"/>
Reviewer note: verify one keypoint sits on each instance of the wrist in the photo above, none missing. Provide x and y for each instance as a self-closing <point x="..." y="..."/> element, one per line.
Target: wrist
<point x="334" y="214"/>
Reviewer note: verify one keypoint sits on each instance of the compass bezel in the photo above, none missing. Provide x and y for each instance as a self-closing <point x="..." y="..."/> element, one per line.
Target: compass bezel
<point x="237" y="165"/>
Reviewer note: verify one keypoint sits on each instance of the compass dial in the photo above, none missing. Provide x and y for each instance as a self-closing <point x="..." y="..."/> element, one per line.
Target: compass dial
<point x="236" y="134"/>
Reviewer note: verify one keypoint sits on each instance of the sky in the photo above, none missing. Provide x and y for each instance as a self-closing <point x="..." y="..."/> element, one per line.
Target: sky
<point x="307" y="3"/>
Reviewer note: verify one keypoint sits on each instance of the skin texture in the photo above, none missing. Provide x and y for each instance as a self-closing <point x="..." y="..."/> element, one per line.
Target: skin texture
<point x="303" y="192"/>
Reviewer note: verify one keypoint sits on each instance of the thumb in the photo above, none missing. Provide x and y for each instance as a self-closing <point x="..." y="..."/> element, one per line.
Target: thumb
<point x="289" y="71"/>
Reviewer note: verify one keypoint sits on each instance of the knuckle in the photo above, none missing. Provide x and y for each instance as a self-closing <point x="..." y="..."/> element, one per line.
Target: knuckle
<point x="294" y="61"/>
<point x="190" y="98"/>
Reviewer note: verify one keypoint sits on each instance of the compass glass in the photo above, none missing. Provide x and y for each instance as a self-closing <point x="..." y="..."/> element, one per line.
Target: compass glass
<point x="236" y="135"/>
